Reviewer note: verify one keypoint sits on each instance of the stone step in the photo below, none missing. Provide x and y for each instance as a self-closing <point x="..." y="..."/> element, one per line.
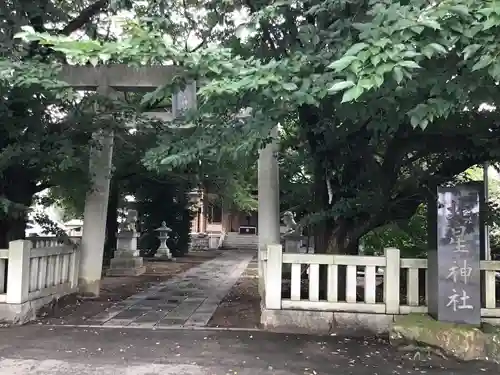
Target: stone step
<point x="242" y="236"/>
<point x="240" y="246"/>
<point x="239" y="241"/>
<point x="253" y="248"/>
<point x="242" y="239"/>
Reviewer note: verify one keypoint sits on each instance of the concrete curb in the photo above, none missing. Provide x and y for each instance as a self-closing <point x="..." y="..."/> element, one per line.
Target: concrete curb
<point x="165" y="328"/>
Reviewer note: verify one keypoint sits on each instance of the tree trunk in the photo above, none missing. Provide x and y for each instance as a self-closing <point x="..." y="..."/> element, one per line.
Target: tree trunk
<point x="320" y="196"/>
<point x="4" y="234"/>
<point x="342" y="240"/>
<point x="339" y="241"/>
<point x="13" y="224"/>
<point x="112" y="220"/>
<point x="11" y="229"/>
<point x="331" y="236"/>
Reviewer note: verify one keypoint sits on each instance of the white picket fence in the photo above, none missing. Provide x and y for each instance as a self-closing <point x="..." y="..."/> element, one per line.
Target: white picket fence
<point x="36" y="271"/>
<point x="382" y="279"/>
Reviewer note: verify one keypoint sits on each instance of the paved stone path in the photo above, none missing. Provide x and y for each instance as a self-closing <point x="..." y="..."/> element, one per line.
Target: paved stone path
<point x="187" y="300"/>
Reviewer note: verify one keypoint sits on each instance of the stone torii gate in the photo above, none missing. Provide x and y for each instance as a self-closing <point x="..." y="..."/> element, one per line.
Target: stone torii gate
<point x="106" y="80"/>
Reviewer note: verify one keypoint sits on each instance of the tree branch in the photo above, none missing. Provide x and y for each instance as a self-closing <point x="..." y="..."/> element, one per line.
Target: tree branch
<point x="265" y="30"/>
<point x="401" y="197"/>
<point x="203" y="41"/>
<point x="85" y="16"/>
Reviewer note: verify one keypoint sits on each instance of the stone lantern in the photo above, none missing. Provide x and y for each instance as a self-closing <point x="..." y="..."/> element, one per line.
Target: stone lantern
<point x="184" y="100"/>
<point x="163" y="251"/>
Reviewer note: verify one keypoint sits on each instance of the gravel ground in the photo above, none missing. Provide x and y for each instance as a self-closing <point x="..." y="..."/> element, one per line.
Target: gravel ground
<point x="44" y="350"/>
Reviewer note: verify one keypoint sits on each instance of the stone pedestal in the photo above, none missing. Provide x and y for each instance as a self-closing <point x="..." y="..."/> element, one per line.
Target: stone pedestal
<point x="293" y="244"/>
<point x="213" y="241"/>
<point x="126" y="260"/>
<point x="454" y="282"/>
<point x="163" y="253"/>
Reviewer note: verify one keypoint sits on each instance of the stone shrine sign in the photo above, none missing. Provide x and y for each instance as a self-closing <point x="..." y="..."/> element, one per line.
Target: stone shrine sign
<point x="454" y="264"/>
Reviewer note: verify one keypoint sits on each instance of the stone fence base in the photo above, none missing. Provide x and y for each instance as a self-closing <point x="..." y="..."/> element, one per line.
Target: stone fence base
<point x="325" y="322"/>
<point x="205" y="241"/>
<point x="22" y="313"/>
<point x="408" y="332"/>
<point x="199" y="243"/>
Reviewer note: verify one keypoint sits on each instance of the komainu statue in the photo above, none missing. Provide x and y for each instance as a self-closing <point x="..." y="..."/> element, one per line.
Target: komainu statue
<point x="129" y="224"/>
<point x="292" y="228"/>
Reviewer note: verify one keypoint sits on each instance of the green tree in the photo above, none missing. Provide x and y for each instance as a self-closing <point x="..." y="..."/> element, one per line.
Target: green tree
<point x="44" y="136"/>
<point x="343" y="71"/>
<point x="410" y="236"/>
<point x="159" y="195"/>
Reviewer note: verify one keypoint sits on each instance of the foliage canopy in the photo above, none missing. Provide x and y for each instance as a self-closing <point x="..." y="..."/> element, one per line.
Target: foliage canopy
<point x="385" y="98"/>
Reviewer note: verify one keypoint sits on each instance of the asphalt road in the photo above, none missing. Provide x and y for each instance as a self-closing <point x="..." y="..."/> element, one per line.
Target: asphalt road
<point x="40" y="349"/>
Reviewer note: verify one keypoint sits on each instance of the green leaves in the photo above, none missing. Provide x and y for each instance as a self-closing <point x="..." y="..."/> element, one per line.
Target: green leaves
<point x="355" y="49"/>
<point x="460" y="9"/>
<point x="483" y="62"/>
<point x="397" y="74"/>
<point x="409" y="64"/>
<point x="432" y="48"/>
<point x="404" y="35"/>
<point x="470" y="50"/>
<point x="491" y="22"/>
<point x="430" y="23"/>
<point x="352" y="94"/>
<point x="290" y="86"/>
<point x="340" y="86"/>
<point x="342" y="63"/>
<point x="285" y="67"/>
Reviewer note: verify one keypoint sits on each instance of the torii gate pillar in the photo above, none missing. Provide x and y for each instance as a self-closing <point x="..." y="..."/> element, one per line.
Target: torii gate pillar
<point x="104" y="79"/>
<point x="269" y="200"/>
<point x="95" y="214"/>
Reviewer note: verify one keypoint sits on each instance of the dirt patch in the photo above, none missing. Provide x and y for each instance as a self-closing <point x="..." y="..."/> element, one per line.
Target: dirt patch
<point x="75" y="310"/>
<point x="241" y="306"/>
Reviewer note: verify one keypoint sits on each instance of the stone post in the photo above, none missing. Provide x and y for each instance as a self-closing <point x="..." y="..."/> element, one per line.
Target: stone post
<point x="268" y="195"/>
<point x="226" y="225"/>
<point x="126" y="260"/>
<point x="18" y="277"/>
<point x="96" y="206"/>
<point x="203" y="212"/>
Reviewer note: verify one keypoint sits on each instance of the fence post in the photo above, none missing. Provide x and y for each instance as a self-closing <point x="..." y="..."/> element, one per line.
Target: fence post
<point x="18" y="275"/>
<point x="74" y="267"/>
<point x="262" y="259"/>
<point x="392" y="280"/>
<point x="3" y="269"/>
<point x="273" y="277"/>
